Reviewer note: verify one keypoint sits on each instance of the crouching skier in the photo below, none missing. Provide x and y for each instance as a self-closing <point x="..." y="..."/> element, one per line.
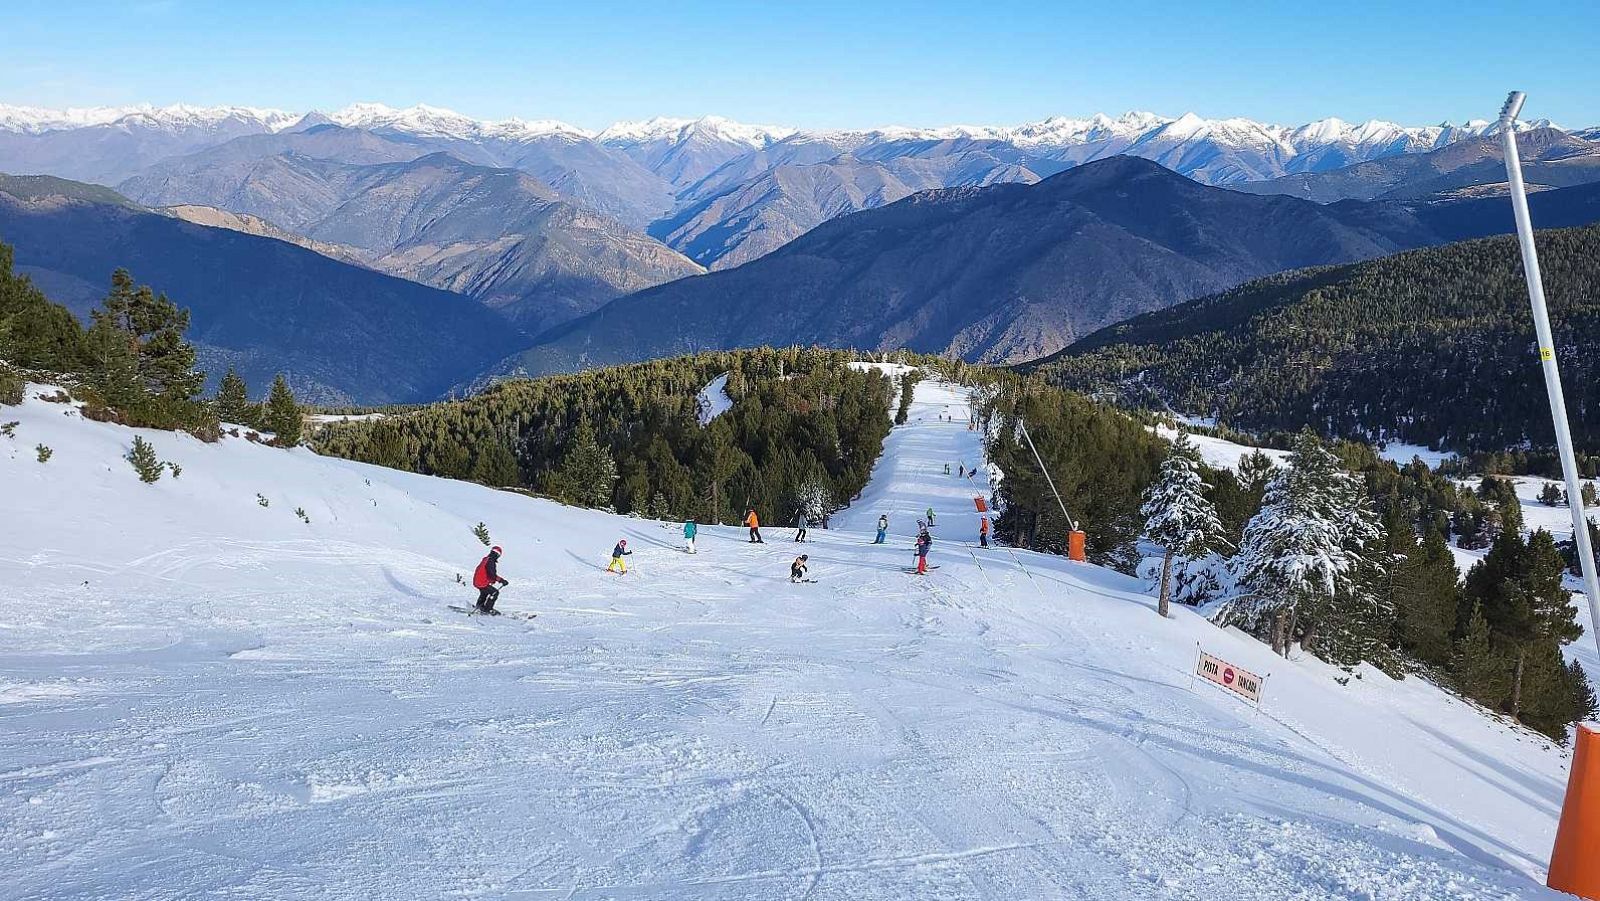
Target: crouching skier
<point x="487" y="580"/>
<point x="797" y="569"/>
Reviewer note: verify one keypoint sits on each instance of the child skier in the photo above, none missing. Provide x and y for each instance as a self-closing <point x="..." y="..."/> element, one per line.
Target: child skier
<point x="797" y="569"/>
<point x="924" y="542"/>
<point x="800" y="523"/>
<point x="690" y="529"/>
<point x="754" y="522"/>
<point x="618" y="565"/>
<point x="487" y="580"/>
<point x="883" y="529"/>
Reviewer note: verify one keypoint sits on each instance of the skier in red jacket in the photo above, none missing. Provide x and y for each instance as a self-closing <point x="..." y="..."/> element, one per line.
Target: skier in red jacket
<point x="487" y="580"/>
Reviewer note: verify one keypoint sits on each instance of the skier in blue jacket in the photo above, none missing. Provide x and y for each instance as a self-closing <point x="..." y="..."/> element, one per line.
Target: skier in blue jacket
<point x="618" y="565"/>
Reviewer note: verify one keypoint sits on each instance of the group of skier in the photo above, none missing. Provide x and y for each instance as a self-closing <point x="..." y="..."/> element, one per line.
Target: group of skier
<point x="488" y="581"/>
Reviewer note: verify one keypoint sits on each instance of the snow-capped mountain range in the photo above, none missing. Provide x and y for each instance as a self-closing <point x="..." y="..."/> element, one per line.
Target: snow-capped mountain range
<point x="720" y="191"/>
<point x="1050" y="133"/>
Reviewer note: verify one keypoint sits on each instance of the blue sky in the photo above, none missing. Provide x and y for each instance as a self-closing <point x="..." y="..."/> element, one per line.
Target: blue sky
<point x="814" y="64"/>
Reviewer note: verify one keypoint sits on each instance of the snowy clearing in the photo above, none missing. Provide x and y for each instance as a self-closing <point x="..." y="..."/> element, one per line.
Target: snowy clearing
<point x="713" y="400"/>
<point x="1219" y="453"/>
<point x="207" y="697"/>
<point x="1402" y="454"/>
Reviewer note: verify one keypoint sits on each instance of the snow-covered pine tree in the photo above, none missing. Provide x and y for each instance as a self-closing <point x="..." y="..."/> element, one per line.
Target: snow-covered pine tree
<point x="815" y="499"/>
<point x="1294" y="549"/>
<point x="1178" y="515"/>
<point x="1356" y="622"/>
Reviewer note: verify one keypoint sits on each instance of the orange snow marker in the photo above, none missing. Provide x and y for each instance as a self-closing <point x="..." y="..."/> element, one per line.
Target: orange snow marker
<point x="1575" y="861"/>
<point x="1075" y="544"/>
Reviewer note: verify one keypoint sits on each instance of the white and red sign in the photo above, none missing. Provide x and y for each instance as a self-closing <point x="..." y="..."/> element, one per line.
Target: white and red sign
<point x="1241" y="682"/>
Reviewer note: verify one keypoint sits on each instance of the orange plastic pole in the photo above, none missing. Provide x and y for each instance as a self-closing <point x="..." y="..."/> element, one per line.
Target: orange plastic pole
<point x="1075" y="545"/>
<point x="1575" y="861"/>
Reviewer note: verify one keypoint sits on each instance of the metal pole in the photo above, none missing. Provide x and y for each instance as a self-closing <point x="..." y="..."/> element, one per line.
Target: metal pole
<point x="1547" y="357"/>
<point x="1052" y="482"/>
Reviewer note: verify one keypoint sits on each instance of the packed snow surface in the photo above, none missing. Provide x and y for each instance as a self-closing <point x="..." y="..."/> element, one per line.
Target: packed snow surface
<point x="208" y="697"/>
<point x="713" y="400"/>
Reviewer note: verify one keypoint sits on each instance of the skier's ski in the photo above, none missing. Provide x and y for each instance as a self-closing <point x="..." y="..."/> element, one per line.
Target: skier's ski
<point x="473" y="611"/>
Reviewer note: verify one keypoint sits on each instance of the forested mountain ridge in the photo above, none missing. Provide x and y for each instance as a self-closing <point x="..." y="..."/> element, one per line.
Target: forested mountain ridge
<point x="341" y="333"/>
<point x="802" y="422"/>
<point x="1430" y="346"/>
<point x="999" y="273"/>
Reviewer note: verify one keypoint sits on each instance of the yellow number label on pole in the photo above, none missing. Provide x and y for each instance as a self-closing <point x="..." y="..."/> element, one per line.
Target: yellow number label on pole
<point x="1546" y="353"/>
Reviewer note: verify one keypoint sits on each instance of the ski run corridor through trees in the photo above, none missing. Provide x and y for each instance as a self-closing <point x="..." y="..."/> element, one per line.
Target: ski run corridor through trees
<point x="203" y="695"/>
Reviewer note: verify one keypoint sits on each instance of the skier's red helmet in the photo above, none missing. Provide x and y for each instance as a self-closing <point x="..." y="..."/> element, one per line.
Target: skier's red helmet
<point x="495" y="550"/>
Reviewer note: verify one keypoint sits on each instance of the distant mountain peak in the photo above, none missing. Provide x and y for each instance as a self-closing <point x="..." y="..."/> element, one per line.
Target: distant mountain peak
<point x="434" y="121"/>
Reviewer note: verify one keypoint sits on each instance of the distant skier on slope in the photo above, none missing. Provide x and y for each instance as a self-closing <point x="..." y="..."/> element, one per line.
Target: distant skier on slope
<point x="883" y="529"/>
<point x="486" y="578"/>
<point x="983" y="531"/>
<point x="754" y="523"/>
<point x="797" y="569"/>
<point x="930" y="517"/>
<point x="618" y="565"/>
<point x="924" y="543"/>
<point x="800" y="523"/>
<point x="690" y="529"/>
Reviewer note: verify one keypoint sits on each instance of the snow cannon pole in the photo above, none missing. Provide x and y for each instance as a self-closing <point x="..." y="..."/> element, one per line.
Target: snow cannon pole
<point x="1075" y="538"/>
<point x="1575" y="860"/>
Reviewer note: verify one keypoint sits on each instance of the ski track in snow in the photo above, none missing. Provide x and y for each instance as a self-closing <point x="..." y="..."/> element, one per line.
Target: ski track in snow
<point x="203" y="697"/>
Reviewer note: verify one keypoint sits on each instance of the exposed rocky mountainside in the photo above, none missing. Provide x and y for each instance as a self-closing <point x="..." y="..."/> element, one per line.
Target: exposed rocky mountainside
<point x="499" y="234"/>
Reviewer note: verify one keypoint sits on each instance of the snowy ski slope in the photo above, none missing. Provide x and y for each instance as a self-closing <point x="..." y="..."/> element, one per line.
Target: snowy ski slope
<point x="204" y="697"/>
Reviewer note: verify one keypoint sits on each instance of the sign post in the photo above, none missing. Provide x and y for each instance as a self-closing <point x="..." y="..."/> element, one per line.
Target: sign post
<point x="1241" y="682"/>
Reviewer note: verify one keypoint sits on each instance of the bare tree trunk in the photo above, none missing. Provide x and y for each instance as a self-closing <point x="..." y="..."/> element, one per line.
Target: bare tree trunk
<point x="1162" y="606"/>
<point x="1279" y="622"/>
<point x="1516" y="685"/>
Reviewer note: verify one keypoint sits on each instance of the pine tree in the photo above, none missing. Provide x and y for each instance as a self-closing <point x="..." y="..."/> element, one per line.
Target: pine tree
<point x="481" y="532"/>
<point x="813" y="500"/>
<point x="139" y="359"/>
<point x="1178" y="515"/>
<point x="1479" y="668"/>
<point x="1294" y="549"/>
<point x="588" y="474"/>
<point x="282" y="416"/>
<point x="233" y="401"/>
<point x="1426" y="586"/>
<point x="142" y="456"/>
<point x="1356" y="622"/>
<point x="495" y="466"/>
<point x="1550" y="495"/>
